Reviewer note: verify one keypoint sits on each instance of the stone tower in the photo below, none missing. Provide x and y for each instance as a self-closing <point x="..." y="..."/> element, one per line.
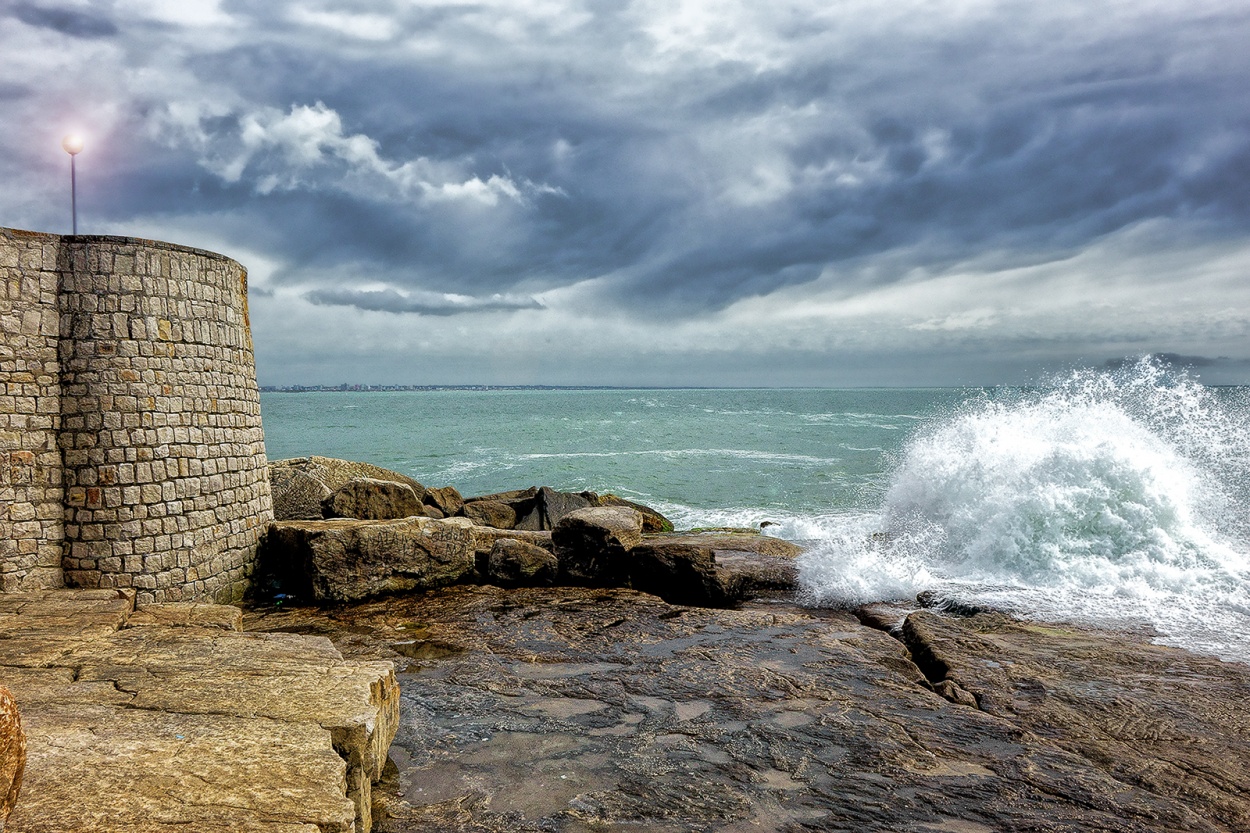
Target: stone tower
<point x="131" y="447"/>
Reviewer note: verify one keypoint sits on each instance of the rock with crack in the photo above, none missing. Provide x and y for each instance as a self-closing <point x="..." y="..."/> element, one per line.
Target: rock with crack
<point x="178" y="723"/>
<point x="349" y="560"/>
<point x="587" y="708"/>
<point x="593" y="544"/>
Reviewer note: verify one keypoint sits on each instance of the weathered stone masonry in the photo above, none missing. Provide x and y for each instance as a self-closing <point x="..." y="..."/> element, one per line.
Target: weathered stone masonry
<point x="131" y="448"/>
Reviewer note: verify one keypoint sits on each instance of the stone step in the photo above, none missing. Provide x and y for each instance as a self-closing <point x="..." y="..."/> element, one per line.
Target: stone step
<point x="188" y="724"/>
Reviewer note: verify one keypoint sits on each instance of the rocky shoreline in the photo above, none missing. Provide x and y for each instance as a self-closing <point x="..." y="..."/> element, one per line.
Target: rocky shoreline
<point x="580" y="709"/>
<point x="712" y="701"/>
<point x="551" y="661"/>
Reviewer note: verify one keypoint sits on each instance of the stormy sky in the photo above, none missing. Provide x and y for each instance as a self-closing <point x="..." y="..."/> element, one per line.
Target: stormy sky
<point x="813" y="192"/>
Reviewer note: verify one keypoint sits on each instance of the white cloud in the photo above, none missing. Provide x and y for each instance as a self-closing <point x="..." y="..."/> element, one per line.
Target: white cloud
<point x="371" y="27"/>
<point x="179" y="12"/>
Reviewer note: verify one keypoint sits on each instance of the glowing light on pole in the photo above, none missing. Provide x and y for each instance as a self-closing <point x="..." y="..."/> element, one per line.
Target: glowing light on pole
<point x="73" y="146"/>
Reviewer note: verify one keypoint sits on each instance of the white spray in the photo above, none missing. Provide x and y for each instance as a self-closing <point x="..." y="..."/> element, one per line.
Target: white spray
<point x="1111" y="498"/>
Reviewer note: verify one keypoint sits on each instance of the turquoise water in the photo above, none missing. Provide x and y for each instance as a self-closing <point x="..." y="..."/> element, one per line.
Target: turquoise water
<point x="699" y="453"/>
<point x="1116" y="498"/>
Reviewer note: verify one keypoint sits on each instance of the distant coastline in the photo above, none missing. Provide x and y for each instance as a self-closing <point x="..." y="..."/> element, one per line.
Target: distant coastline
<point x="358" y="388"/>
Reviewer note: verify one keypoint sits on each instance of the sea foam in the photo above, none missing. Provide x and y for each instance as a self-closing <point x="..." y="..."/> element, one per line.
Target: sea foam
<point x="1114" y="498"/>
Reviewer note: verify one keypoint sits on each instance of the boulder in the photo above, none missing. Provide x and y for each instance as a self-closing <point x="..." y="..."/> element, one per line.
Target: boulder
<point x="297" y="495"/>
<point x="12" y="754"/>
<point x="683" y="574"/>
<point x="652" y="521"/>
<point x="593" y="544"/>
<point x="491" y="513"/>
<point x="722" y="541"/>
<point x="349" y="560"/>
<point x="484" y="537"/>
<point x="512" y="496"/>
<point x="713" y="569"/>
<point x="446" y="499"/>
<point x="557" y="505"/>
<point x="748" y="575"/>
<point x="293" y="483"/>
<point x="370" y="499"/>
<point x="512" y="563"/>
<point x="523" y="503"/>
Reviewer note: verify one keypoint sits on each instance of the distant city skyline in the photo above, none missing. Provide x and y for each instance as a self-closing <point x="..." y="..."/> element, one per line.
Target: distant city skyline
<point x="567" y="193"/>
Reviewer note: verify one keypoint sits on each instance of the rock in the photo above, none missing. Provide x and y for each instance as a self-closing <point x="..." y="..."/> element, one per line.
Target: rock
<point x="297" y="495"/>
<point x="446" y="499"/>
<point x="348" y="560"/>
<point x="514" y="562"/>
<point x="652" y="521"/>
<point x="509" y="497"/>
<point x="12" y="754"/>
<point x="432" y="511"/>
<point x="593" y="544"/>
<point x="484" y="537"/>
<point x="491" y="513"/>
<point x="583" y="708"/>
<point x="188" y="615"/>
<point x="749" y="575"/>
<point x="556" y="505"/>
<point x="747" y="541"/>
<point x="678" y="573"/>
<point x="293" y="483"/>
<point x="369" y="499"/>
<point x="715" y="569"/>
<point x="164" y="728"/>
<point x="523" y="504"/>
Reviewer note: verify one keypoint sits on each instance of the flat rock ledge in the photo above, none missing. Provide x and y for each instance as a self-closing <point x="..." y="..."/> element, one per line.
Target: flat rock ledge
<point x="170" y="718"/>
<point x="571" y="710"/>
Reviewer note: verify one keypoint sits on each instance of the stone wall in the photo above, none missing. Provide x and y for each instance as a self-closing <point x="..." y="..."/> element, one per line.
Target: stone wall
<point x="31" y="498"/>
<point x="157" y="463"/>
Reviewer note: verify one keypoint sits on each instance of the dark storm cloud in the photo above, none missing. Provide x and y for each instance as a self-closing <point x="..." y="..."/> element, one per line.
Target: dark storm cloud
<point x="1045" y="162"/>
<point x="389" y="300"/>
<point x="71" y="22"/>
<point x="651" y="161"/>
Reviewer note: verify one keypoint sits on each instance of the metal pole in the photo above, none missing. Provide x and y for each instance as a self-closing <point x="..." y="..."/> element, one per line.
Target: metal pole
<point x="73" y="193"/>
<point x="72" y="144"/>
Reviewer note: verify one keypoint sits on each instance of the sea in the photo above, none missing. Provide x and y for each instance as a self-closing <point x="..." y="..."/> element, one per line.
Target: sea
<point x="1114" y="498"/>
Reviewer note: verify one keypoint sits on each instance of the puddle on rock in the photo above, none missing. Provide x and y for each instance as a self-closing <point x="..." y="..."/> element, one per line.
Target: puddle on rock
<point x="426" y="649"/>
<point x="526" y="773"/>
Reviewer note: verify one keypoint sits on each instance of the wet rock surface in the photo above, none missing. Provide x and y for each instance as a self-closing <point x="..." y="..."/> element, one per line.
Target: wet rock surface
<point x="573" y="709"/>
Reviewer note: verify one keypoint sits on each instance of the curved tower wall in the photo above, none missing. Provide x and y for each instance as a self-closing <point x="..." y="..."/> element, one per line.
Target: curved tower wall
<point x="32" y="526"/>
<point x="163" y="478"/>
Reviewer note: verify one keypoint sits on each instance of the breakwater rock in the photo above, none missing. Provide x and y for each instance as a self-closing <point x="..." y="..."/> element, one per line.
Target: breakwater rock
<point x="348" y="531"/>
<point x="578" y="709"/>
<point x="350" y="560"/>
<point x="313" y="488"/>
